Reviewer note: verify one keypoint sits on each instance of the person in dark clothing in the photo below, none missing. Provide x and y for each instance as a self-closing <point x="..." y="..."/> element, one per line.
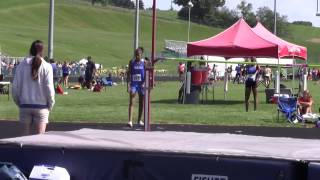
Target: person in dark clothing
<point x="251" y="83"/>
<point x="90" y="72"/>
<point x="238" y="74"/>
<point x="65" y="73"/>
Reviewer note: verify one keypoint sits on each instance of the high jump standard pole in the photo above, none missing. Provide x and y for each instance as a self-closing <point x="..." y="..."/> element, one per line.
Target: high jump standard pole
<point x="150" y="72"/>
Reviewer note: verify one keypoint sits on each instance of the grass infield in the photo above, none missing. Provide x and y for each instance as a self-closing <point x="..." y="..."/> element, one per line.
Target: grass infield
<point x="112" y="106"/>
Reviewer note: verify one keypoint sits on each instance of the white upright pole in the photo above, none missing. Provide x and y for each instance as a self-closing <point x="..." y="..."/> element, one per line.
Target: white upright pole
<point x="225" y="85"/>
<point x="277" y="82"/>
<point x="305" y="79"/>
<point x="278" y="78"/>
<point x="318" y="12"/>
<point x="190" y="5"/>
<point x="293" y="72"/>
<point x="189" y="24"/>
<point x="136" y="28"/>
<point x="226" y="79"/>
<point x="51" y="29"/>
<point x="185" y="84"/>
<point x="188" y="83"/>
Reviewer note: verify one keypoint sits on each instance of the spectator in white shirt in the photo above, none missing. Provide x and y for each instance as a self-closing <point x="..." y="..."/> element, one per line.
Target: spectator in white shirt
<point x="33" y="90"/>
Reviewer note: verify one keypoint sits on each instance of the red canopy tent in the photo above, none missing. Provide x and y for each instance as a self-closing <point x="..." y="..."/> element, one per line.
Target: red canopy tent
<point x="286" y="49"/>
<point x="239" y="40"/>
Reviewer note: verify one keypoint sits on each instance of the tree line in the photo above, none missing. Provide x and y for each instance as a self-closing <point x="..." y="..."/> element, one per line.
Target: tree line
<point x="128" y="4"/>
<point x="214" y="13"/>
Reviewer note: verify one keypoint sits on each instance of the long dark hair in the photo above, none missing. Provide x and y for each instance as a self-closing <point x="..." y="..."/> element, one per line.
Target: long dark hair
<point x="36" y="50"/>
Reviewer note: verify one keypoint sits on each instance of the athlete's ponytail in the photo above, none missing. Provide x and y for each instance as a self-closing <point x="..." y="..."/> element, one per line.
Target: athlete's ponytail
<point x="36" y="51"/>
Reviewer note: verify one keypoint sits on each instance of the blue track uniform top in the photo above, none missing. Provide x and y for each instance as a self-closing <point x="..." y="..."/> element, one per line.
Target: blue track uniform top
<point x="251" y="73"/>
<point x="65" y="69"/>
<point x="137" y="73"/>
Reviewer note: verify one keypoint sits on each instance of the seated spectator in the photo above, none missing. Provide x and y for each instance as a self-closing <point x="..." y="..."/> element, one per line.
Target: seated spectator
<point x="107" y="81"/>
<point x="109" y="78"/>
<point x="96" y="87"/>
<point x="305" y="103"/>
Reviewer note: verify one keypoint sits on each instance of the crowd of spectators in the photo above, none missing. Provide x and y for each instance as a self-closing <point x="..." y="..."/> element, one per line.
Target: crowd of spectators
<point x="8" y="67"/>
<point x="314" y="74"/>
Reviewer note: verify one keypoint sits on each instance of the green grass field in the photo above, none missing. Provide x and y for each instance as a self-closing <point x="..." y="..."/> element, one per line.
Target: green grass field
<point x="106" y="33"/>
<point x="82" y="30"/>
<point x="112" y="105"/>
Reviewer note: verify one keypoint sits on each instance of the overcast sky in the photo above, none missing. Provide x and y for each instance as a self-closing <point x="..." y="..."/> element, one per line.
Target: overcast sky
<point x="295" y="9"/>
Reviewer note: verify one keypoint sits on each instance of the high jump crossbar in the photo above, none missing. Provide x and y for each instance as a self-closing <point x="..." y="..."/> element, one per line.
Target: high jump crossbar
<point x="244" y="63"/>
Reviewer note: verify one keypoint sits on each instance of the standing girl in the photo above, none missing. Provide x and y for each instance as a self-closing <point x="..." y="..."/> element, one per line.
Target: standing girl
<point x="251" y="83"/>
<point x="33" y="90"/>
<point x="65" y="73"/>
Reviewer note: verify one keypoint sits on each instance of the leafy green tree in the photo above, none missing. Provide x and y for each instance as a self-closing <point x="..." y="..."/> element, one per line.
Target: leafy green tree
<point x="266" y="16"/>
<point x="247" y="13"/>
<point x="222" y="18"/>
<point x="102" y="2"/>
<point x="123" y="3"/>
<point x="141" y="4"/>
<point x="304" y="23"/>
<point x="200" y="9"/>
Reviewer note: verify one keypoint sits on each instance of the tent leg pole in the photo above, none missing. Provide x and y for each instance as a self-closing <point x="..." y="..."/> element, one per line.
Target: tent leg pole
<point x="293" y="73"/>
<point x="213" y="93"/>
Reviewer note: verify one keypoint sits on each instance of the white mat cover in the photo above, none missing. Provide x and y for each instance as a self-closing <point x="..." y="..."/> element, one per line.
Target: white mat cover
<point x="177" y="142"/>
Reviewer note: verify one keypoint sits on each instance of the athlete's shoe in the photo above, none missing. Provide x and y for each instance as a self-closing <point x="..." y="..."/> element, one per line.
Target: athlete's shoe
<point x="141" y="123"/>
<point x="130" y="125"/>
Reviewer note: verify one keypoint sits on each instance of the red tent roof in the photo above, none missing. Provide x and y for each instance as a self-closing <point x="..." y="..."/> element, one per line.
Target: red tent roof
<point x="286" y="49"/>
<point x="237" y="41"/>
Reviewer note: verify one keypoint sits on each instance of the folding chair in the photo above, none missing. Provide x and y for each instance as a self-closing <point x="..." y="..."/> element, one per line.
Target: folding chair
<point x="105" y="82"/>
<point x="288" y="106"/>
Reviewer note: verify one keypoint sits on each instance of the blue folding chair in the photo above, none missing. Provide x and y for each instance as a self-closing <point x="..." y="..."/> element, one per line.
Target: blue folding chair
<point x="288" y="106"/>
<point x="105" y="82"/>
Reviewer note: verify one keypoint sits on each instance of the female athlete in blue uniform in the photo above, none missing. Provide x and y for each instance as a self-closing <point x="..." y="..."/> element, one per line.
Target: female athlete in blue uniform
<point x="251" y="84"/>
<point x="135" y="85"/>
<point x="65" y="73"/>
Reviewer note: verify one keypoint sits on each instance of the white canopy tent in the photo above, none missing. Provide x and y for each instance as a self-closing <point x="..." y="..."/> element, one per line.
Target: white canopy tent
<point x="84" y="62"/>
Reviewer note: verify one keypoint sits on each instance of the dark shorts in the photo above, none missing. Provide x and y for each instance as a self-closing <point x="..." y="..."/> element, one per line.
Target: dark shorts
<point x="65" y="74"/>
<point x="251" y="84"/>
